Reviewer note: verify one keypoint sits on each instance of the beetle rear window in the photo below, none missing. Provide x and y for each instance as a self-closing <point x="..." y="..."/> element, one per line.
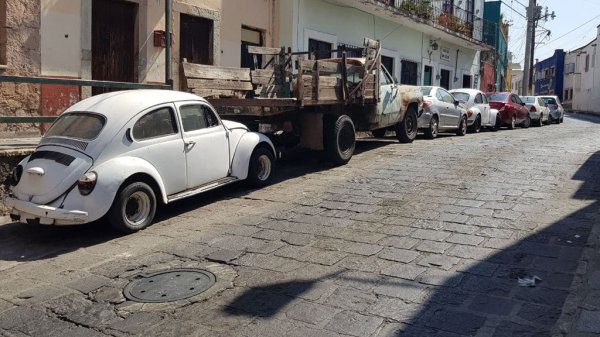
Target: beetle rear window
<point x="501" y="97"/>
<point x="80" y="125"/>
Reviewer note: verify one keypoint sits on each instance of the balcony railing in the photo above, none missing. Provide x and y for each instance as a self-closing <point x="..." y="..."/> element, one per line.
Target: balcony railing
<point x="441" y="14"/>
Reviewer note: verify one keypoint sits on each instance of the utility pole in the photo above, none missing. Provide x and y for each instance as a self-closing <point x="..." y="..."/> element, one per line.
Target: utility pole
<point x="528" y="43"/>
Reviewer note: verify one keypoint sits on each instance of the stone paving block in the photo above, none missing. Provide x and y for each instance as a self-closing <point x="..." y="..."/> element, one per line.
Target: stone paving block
<point x="539" y="249"/>
<point x="41" y="294"/>
<point x="297" y="239"/>
<point x="507" y="214"/>
<point x="313" y="313"/>
<point x="350" y="299"/>
<point x="401" y="231"/>
<point x="469" y="252"/>
<point x="369" y="264"/>
<point x="427" y="234"/>
<point x="394" y="308"/>
<point x="492" y="305"/>
<point x="404" y="271"/>
<point x="400" y="255"/>
<point x="460" y="228"/>
<point x="310" y="254"/>
<point x="408" y="291"/>
<point x="507" y="328"/>
<point x="539" y="295"/>
<point x="440" y="261"/>
<point x="357" y="279"/>
<point x="475" y="267"/>
<point x="478" y="211"/>
<point x="19" y="316"/>
<point x="354" y="324"/>
<point x="589" y="321"/>
<point x="242" y="230"/>
<point x="399" y="242"/>
<point x="137" y="323"/>
<point x="362" y="248"/>
<point x="88" y="284"/>
<point x="469" y="203"/>
<point x="439" y="277"/>
<point x="539" y="314"/>
<point x="496" y="233"/>
<point x="269" y="262"/>
<point x="433" y="247"/>
<point x="224" y="255"/>
<point x="368" y="217"/>
<point x="459" y="322"/>
<point x="488" y="285"/>
<point x="464" y="239"/>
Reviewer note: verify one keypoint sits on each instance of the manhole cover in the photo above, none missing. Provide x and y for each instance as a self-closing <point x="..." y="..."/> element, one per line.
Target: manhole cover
<point x="169" y="285"/>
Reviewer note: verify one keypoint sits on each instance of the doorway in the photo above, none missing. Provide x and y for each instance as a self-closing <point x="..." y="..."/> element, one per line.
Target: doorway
<point x="113" y="42"/>
<point x="250" y="37"/>
<point x="466" y="83"/>
<point x="196" y="39"/>
<point x="445" y="79"/>
<point x="427" y="74"/>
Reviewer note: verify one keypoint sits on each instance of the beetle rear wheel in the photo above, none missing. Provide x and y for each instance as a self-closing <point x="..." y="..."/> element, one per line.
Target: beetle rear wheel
<point x="133" y="208"/>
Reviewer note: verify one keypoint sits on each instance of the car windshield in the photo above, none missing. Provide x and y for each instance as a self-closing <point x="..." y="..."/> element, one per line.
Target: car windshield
<point x="426" y="91"/>
<point x="80" y="125"/>
<point x="549" y="100"/>
<point x="461" y="96"/>
<point x="497" y="97"/>
<point x="528" y="99"/>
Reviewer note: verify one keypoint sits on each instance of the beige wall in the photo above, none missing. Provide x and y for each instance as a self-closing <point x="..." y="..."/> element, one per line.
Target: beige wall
<point x="61" y="37"/>
<point x="255" y="14"/>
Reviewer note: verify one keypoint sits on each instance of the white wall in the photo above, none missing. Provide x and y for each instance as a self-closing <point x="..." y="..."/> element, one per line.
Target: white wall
<point x="586" y="84"/>
<point x="61" y="38"/>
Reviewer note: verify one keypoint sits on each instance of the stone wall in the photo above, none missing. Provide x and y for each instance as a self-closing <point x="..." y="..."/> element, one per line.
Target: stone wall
<point x="21" y="34"/>
<point x="8" y="161"/>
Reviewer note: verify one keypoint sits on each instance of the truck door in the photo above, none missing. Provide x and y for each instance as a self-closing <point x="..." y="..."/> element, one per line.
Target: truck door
<point x="388" y="92"/>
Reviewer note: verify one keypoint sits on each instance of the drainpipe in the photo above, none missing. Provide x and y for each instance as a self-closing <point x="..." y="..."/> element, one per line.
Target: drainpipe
<point x="168" y="79"/>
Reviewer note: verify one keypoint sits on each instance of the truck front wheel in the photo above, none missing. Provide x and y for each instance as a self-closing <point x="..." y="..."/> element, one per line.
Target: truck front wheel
<point x="340" y="139"/>
<point x="406" y="131"/>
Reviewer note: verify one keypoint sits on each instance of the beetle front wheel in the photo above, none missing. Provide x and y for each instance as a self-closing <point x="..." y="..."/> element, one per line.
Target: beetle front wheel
<point x="133" y="208"/>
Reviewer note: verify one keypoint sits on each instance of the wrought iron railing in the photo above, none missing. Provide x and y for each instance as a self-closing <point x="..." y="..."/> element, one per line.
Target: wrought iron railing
<point x="441" y="14"/>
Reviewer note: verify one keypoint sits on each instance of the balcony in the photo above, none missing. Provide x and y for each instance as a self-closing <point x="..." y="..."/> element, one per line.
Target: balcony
<point x="438" y="19"/>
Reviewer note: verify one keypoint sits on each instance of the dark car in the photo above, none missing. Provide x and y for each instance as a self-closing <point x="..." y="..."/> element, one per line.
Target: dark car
<point x="512" y="110"/>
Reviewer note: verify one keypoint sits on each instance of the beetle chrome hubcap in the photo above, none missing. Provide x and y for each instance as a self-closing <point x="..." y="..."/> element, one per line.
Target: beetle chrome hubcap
<point x="137" y="208"/>
<point x="264" y="167"/>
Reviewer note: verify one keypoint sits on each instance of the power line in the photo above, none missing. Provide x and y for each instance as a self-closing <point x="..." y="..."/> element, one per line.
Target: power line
<point x="574" y="29"/>
<point x="514" y="10"/>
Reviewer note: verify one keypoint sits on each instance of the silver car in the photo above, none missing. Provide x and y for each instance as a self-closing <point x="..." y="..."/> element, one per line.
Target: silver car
<point x="441" y="112"/>
<point x="557" y="113"/>
<point x="478" y="108"/>
<point x="538" y="110"/>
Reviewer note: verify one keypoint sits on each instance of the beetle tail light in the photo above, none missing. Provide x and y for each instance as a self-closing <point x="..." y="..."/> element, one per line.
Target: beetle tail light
<point x="533" y="109"/>
<point x="15" y="175"/>
<point x="87" y="182"/>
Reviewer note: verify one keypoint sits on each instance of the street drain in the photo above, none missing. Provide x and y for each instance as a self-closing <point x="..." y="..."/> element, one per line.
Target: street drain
<point x="169" y="285"/>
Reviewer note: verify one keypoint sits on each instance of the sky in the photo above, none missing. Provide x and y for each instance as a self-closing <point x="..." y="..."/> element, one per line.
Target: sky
<point x="569" y="30"/>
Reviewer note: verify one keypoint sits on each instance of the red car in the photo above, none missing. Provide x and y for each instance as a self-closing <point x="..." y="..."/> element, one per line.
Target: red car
<point x="512" y="110"/>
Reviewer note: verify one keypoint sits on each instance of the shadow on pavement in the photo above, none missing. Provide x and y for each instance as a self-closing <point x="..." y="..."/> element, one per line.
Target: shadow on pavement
<point x="484" y="295"/>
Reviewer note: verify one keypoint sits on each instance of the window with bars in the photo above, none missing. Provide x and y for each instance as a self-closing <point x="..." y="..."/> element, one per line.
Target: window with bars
<point x="321" y="48"/>
<point x="409" y="73"/>
<point x="351" y="50"/>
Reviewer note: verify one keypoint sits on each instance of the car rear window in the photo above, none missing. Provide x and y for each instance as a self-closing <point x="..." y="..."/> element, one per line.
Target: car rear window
<point x="549" y="100"/>
<point x="499" y="97"/>
<point x="528" y="99"/>
<point x="79" y="125"/>
<point x="461" y="96"/>
<point x="426" y="91"/>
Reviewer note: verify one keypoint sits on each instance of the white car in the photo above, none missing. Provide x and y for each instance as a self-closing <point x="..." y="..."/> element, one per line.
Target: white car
<point x="119" y="154"/>
<point x="479" y="112"/>
<point x="538" y="110"/>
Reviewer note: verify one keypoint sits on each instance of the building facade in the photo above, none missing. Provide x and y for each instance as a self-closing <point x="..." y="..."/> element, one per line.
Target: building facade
<point x="582" y="77"/>
<point x="118" y="40"/>
<point x="549" y="75"/>
<point x="495" y="33"/>
<point x="424" y="43"/>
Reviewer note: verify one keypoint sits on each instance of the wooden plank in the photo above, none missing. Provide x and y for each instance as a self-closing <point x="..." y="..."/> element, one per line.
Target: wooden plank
<point x="235" y="102"/>
<point x="324" y="66"/>
<point x="217" y="93"/>
<point x="267" y="80"/>
<point x="262" y="72"/>
<point x="263" y="50"/>
<point x="194" y="83"/>
<point x="192" y="70"/>
<point x="323" y="80"/>
<point x="330" y="93"/>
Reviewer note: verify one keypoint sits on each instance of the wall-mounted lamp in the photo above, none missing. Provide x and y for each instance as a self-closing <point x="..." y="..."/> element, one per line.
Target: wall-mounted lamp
<point x="433" y="44"/>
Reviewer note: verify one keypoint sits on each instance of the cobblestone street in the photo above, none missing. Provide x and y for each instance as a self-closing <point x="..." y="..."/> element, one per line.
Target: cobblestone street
<point x="423" y="239"/>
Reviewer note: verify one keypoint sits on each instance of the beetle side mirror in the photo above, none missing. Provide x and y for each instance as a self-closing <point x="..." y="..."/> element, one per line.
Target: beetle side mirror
<point x="523" y="103"/>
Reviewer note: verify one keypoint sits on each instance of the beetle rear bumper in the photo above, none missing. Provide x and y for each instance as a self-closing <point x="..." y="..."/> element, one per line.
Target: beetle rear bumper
<point x="44" y="214"/>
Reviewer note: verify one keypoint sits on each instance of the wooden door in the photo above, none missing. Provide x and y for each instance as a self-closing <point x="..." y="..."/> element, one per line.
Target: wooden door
<point x="113" y="42"/>
<point x="196" y="39"/>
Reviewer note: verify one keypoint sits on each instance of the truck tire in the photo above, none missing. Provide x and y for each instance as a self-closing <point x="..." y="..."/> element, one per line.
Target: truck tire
<point x="340" y="139"/>
<point x="406" y="131"/>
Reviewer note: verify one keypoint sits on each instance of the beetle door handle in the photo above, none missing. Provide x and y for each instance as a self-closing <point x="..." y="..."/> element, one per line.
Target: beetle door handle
<point x="190" y="142"/>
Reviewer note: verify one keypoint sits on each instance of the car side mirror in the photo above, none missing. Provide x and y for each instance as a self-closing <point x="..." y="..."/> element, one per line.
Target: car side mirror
<point x="523" y="103"/>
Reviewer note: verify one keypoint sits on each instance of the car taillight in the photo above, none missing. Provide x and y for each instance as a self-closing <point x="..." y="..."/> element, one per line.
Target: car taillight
<point x="533" y="109"/>
<point x="469" y="113"/>
<point x="87" y="182"/>
<point x="426" y="104"/>
<point x="15" y="175"/>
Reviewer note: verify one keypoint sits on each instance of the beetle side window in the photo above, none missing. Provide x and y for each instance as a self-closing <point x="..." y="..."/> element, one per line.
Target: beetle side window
<point x="196" y="117"/>
<point x="157" y="123"/>
<point x="479" y="99"/>
<point x="484" y="99"/>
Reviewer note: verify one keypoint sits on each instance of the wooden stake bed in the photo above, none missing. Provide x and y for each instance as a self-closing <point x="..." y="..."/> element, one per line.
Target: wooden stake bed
<point x="275" y="89"/>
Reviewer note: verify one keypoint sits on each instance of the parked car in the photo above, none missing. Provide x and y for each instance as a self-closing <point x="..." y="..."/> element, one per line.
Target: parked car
<point x="479" y="113"/>
<point x="441" y="112"/>
<point x="557" y="113"/>
<point x="119" y="154"/>
<point x="538" y="111"/>
<point x="511" y="108"/>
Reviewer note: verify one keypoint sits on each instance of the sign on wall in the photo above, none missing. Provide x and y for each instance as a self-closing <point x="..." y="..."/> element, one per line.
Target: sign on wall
<point x="445" y="54"/>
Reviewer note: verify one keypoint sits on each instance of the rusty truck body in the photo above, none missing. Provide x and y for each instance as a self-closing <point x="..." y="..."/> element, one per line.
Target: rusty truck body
<point x="316" y="104"/>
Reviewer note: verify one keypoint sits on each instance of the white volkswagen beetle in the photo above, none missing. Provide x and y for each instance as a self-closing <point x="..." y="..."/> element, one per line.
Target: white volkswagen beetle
<point x="478" y="109"/>
<point x="120" y="153"/>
